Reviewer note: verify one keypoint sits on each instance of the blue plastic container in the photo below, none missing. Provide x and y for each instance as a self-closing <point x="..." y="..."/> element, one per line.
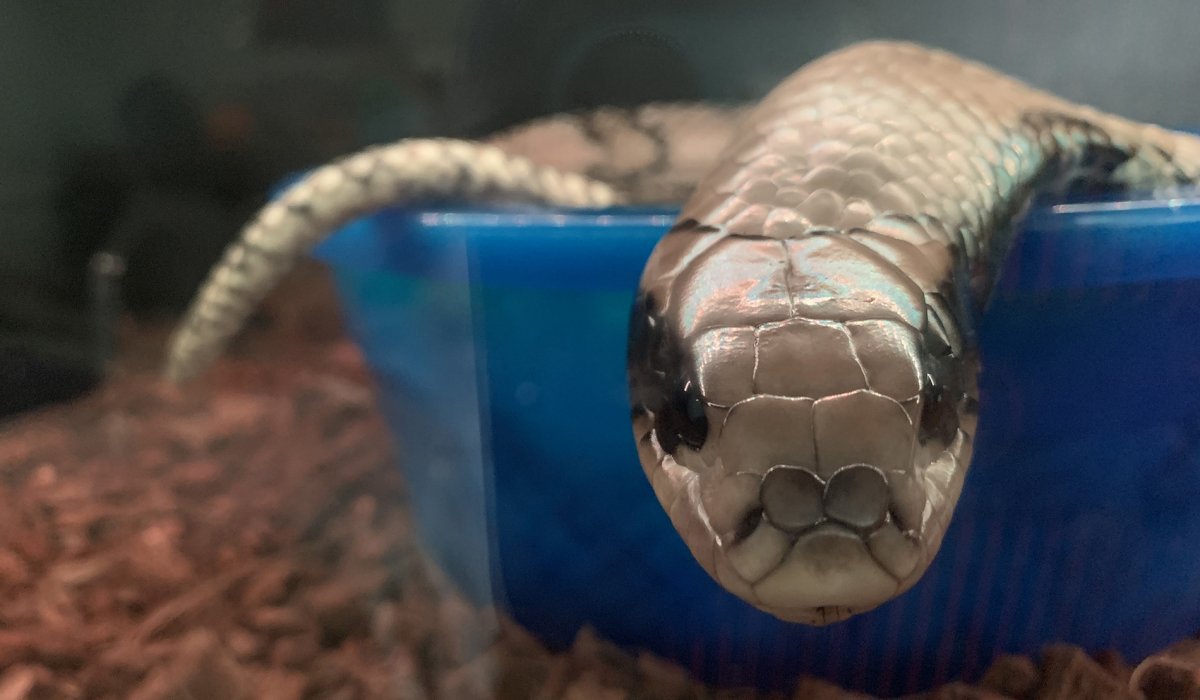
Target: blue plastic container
<point x="498" y="338"/>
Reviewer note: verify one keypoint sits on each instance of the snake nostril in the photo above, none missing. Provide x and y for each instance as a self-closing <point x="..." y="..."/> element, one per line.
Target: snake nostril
<point x="857" y="496"/>
<point x="791" y="498"/>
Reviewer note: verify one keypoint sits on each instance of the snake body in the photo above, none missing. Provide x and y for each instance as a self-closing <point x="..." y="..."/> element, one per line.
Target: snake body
<point x="802" y="359"/>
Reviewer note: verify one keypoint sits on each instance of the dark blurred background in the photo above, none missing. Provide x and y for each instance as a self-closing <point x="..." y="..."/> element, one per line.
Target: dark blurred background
<point x="152" y="129"/>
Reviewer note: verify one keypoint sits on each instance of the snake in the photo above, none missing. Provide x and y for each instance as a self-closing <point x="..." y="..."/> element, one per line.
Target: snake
<point x="803" y="355"/>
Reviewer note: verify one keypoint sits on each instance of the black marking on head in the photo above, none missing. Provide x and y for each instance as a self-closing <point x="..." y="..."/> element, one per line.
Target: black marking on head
<point x="645" y="341"/>
<point x="660" y="382"/>
<point x="944" y="382"/>
<point x="935" y="343"/>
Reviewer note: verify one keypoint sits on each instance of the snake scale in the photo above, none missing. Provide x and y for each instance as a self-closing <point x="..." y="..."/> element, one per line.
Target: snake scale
<point x="802" y="356"/>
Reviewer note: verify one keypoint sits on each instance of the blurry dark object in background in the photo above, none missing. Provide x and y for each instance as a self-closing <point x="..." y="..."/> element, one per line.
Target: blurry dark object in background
<point x="167" y="138"/>
<point x="572" y="55"/>
<point x="93" y="195"/>
<point x="167" y="200"/>
<point x="321" y="23"/>
<point x="156" y="113"/>
<point x="630" y="69"/>
<point x="33" y="378"/>
<point x="162" y="202"/>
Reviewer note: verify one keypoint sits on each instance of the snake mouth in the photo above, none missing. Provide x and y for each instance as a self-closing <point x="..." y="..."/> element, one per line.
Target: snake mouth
<point x="819" y="550"/>
<point x="805" y="548"/>
<point x="825" y="573"/>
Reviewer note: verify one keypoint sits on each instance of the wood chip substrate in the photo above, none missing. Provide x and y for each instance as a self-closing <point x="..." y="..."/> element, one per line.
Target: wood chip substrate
<point x="248" y="537"/>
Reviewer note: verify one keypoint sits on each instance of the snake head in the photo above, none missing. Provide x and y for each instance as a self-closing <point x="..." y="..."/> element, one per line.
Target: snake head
<point x="807" y="439"/>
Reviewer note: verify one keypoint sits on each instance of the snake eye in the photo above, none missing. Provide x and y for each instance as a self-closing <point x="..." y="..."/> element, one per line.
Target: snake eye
<point x="939" y="414"/>
<point x="658" y="382"/>
<point x="682" y="419"/>
<point x="941" y="391"/>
